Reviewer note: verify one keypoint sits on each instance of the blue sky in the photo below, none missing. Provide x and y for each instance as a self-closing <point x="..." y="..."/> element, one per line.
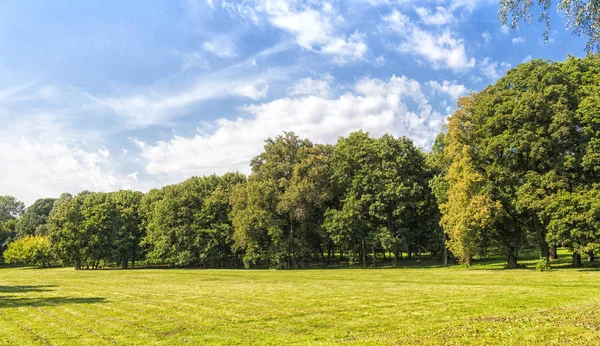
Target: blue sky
<point x="104" y="95"/>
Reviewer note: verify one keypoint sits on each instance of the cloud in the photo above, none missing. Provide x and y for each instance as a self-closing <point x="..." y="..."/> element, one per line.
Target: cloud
<point x="159" y="105"/>
<point x="441" y="16"/>
<point x="518" y="40"/>
<point x="31" y="169"/>
<point x="487" y="37"/>
<point x="223" y="47"/>
<point x="493" y="70"/>
<point x="375" y="105"/>
<point x="313" y="27"/>
<point x="255" y="92"/>
<point x="443" y="50"/>
<point x="453" y="89"/>
<point x="309" y="86"/>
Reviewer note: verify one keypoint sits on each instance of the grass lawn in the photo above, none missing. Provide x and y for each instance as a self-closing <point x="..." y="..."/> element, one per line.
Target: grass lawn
<point x="412" y="305"/>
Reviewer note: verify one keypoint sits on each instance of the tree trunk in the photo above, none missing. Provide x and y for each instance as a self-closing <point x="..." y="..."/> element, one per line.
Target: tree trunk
<point x="468" y="261"/>
<point x="374" y="257"/>
<point x="396" y="258"/>
<point x="445" y="255"/>
<point x="576" y="259"/>
<point x="590" y="256"/>
<point x="553" y="253"/>
<point x="512" y="259"/>
<point x="541" y="235"/>
<point x="364" y="252"/>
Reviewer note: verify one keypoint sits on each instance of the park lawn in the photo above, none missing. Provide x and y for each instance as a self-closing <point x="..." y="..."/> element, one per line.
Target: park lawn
<point x="405" y="306"/>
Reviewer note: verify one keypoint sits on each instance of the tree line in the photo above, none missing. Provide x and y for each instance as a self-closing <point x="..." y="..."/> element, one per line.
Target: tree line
<point x="516" y="167"/>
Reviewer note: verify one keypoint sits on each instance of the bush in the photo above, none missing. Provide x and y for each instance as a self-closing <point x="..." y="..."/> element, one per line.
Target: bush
<point x="543" y="265"/>
<point x="29" y="250"/>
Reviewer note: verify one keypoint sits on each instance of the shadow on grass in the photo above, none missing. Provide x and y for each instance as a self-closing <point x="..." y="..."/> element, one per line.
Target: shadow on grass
<point x="12" y="302"/>
<point x="24" y="289"/>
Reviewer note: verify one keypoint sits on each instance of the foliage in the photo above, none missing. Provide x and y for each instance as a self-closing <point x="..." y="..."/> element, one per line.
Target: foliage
<point x="189" y="223"/>
<point x="583" y="16"/>
<point x="34" y="219"/>
<point x="543" y="265"/>
<point x="385" y="200"/>
<point x="512" y="148"/>
<point x="29" y="250"/>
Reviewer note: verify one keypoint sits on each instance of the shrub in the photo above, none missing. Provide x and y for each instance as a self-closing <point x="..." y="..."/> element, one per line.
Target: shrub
<point x="543" y="265"/>
<point x="29" y="250"/>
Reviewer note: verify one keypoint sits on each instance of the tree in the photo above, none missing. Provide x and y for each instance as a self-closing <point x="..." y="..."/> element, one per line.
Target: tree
<point x="583" y="16"/>
<point x="10" y="210"/>
<point x="271" y="216"/>
<point x="350" y="223"/>
<point x="189" y="223"/>
<point x="467" y="210"/>
<point x="385" y="201"/>
<point x="29" y="250"/>
<point x="129" y="229"/>
<point x="575" y="222"/>
<point x="67" y="235"/>
<point x="521" y="141"/>
<point x="34" y="219"/>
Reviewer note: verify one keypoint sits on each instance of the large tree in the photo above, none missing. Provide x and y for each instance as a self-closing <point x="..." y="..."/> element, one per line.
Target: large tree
<point x="276" y="212"/>
<point x="189" y="223"/>
<point x="10" y="210"/>
<point x="34" y="219"/>
<point x="385" y="200"/>
<point x="523" y="140"/>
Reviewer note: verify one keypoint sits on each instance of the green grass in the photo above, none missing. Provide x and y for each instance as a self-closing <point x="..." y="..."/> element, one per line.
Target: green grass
<point x="406" y="306"/>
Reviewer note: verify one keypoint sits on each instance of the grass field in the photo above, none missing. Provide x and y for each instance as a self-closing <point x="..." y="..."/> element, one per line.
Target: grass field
<point x="417" y="305"/>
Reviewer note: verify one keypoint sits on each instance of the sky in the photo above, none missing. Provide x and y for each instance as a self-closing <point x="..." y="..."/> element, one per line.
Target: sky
<point x="109" y="95"/>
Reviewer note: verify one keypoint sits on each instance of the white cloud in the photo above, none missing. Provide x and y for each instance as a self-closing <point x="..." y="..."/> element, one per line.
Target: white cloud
<point x="487" y="37"/>
<point x="31" y="169"/>
<point x="441" y="16"/>
<point x="309" y="86"/>
<point x="255" y="92"/>
<point x="376" y="106"/>
<point x="159" y="105"/>
<point x="453" y="89"/>
<point x="493" y="70"/>
<point x="527" y="58"/>
<point x="223" y="47"/>
<point x="504" y="29"/>
<point x="518" y="40"/>
<point x="313" y="25"/>
<point x="440" y="49"/>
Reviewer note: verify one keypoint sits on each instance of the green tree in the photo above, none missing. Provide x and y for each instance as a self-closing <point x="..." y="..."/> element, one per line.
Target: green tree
<point x="10" y="210"/>
<point x="29" y="250"/>
<point x="270" y="213"/>
<point x="67" y="235"/>
<point x="34" y="219"/>
<point x="188" y="223"/>
<point x="575" y="222"/>
<point x="129" y="229"/>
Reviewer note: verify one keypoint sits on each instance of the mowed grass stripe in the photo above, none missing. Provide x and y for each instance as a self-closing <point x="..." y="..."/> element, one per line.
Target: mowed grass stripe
<point x="352" y="306"/>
